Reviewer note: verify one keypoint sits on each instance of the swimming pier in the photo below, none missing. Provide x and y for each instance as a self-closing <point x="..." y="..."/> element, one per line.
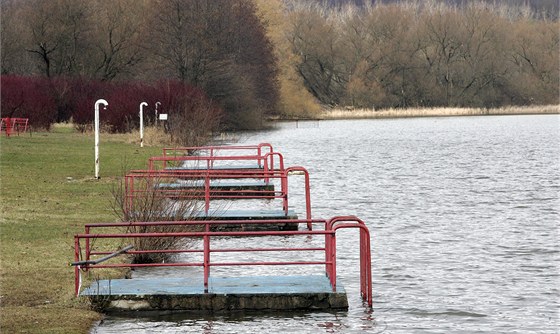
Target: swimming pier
<point x="210" y="274"/>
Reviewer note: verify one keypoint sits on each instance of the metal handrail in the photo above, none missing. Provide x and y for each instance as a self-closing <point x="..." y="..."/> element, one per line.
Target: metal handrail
<point x="103" y="259"/>
<point x="153" y="178"/>
<point x="216" y="148"/>
<point x="265" y="161"/>
<point x="211" y="151"/>
<point x="329" y="231"/>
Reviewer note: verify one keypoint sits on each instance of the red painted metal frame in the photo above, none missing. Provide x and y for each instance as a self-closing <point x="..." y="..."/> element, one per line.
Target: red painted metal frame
<point x="11" y="124"/>
<point x="133" y="190"/>
<point x="330" y="228"/>
<point x="212" y="151"/>
<point x="262" y="161"/>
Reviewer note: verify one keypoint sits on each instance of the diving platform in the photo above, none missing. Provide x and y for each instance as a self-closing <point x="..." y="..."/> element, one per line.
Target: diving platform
<point x="216" y="292"/>
<point x="215" y="235"/>
<point x="224" y="294"/>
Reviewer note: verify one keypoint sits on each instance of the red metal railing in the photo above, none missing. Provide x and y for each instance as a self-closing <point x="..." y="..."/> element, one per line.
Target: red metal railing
<point x="257" y="152"/>
<point x="13" y="124"/>
<point x="202" y="162"/>
<point x="330" y="227"/>
<point x="143" y="183"/>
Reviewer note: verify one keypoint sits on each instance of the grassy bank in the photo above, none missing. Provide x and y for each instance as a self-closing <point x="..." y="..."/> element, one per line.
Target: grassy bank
<point x="47" y="194"/>
<point x="436" y="112"/>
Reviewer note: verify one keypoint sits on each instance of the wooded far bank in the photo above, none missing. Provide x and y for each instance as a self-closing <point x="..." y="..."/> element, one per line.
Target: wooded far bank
<point x="252" y="59"/>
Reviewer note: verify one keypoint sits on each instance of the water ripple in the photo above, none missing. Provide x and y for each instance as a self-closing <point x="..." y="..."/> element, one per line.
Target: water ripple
<point x="464" y="216"/>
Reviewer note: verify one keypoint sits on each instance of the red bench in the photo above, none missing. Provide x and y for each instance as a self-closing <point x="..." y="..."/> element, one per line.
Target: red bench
<point x="14" y="124"/>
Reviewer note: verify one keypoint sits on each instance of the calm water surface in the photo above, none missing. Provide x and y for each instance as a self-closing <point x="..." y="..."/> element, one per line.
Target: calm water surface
<point x="464" y="215"/>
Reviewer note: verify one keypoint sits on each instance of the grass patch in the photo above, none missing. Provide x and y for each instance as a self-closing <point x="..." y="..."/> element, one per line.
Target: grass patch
<point x="48" y="192"/>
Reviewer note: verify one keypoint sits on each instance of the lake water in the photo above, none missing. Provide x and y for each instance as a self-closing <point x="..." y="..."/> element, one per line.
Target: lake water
<point x="465" y="223"/>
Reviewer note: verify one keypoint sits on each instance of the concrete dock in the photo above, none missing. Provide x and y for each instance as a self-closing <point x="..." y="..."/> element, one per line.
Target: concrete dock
<point x="274" y="216"/>
<point x="225" y="294"/>
<point x="232" y="188"/>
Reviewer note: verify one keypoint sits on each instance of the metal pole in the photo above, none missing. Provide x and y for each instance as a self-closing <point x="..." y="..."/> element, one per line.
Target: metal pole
<point x="206" y="255"/>
<point x="142" y="123"/>
<point x="103" y="259"/>
<point x="157" y="104"/>
<point x="77" y="279"/>
<point x="105" y="104"/>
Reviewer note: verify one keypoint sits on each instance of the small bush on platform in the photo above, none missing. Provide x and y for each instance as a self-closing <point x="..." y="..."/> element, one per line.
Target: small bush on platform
<point x="151" y="205"/>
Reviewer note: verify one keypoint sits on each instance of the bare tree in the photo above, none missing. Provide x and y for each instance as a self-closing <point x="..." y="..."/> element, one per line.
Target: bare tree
<point x="58" y="35"/>
<point x="117" y="47"/>
<point x="315" y="39"/>
<point x="220" y="46"/>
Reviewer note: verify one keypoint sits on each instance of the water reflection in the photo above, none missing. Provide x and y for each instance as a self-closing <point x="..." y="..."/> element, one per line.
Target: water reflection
<point x="240" y="322"/>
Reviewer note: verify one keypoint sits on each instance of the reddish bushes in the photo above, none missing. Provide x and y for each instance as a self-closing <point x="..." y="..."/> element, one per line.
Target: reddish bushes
<point x="45" y="101"/>
<point x="28" y="97"/>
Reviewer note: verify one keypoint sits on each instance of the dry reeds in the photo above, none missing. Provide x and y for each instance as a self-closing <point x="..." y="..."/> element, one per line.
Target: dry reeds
<point x="437" y="112"/>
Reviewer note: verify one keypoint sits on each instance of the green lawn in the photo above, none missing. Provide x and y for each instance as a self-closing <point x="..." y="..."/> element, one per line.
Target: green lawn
<point x="48" y="192"/>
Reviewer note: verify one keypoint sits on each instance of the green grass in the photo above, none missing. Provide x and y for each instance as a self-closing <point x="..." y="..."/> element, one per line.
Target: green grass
<point x="48" y="192"/>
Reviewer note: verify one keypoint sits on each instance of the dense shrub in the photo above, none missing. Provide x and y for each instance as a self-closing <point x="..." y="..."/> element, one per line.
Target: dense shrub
<point x="80" y="99"/>
<point x="28" y="97"/>
<point x="191" y="114"/>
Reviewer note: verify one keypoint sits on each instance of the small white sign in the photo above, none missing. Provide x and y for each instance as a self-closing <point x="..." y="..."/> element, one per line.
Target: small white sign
<point x="163" y="117"/>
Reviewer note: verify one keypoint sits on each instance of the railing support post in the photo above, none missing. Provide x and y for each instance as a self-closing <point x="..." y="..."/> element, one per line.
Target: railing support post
<point x="87" y="246"/>
<point x="77" y="268"/>
<point x="206" y="258"/>
<point x="207" y="192"/>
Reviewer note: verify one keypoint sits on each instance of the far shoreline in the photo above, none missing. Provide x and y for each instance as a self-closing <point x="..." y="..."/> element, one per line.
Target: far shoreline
<point x="436" y="112"/>
<point x="350" y="113"/>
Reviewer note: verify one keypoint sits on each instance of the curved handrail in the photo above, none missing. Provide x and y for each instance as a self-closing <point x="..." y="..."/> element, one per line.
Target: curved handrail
<point x="133" y="177"/>
<point x="365" y="253"/>
<point x="300" y="169"/>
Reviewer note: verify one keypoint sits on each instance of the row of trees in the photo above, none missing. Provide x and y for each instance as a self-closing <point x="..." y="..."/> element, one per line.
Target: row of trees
<point x="418" y="55"/>
<point x="255" y="58"/>
<point x="219" y="46"/>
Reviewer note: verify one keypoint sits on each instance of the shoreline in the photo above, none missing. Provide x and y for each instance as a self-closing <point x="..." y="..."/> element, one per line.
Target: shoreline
<point x="334" y="114"/>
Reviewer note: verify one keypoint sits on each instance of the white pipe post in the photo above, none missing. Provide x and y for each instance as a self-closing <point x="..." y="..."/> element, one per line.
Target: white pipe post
<point x="157" y="104"/>
<point x="143" y="104"/>
<point x="105" y="104"/>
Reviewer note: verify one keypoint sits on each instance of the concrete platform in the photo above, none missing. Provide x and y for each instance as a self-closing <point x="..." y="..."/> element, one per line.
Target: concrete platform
<point x="246" y="214"/>
<point x="222" y="167"/>
<point x="217" y="184"/>
<point x="264" y="188"/>
<point x="277" y="215"/>
<point x="224" y="294"/>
